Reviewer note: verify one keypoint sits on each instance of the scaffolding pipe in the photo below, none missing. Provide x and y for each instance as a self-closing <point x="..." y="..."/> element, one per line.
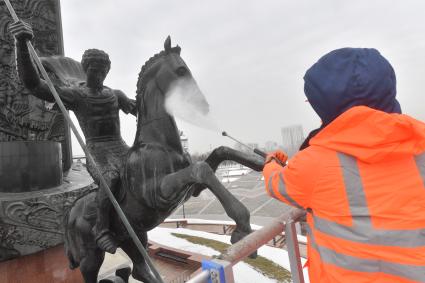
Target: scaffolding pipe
<point x="253" y="241"/>
<point x="294" y="252"/>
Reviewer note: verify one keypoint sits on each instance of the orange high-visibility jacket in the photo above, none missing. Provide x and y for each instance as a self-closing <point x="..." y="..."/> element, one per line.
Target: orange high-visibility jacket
<point x="362" y="180"/>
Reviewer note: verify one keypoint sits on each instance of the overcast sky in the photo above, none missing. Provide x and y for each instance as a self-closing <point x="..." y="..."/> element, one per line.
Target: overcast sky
<point x="248" y="57"/>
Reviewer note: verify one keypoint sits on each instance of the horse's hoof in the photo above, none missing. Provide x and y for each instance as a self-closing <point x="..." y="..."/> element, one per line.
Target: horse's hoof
<point x="112" y="279"/>
<point x="124" y="273"/>
<point x="111" y="250"/>
<point x="238" y="235"/>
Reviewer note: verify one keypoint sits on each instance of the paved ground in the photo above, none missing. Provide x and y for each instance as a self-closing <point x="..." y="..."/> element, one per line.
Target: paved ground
<point x="248" y="188"/>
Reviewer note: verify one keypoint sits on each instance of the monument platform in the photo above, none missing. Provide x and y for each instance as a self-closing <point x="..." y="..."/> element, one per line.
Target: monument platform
<point x="52" y="266"/>
<point x="31" y="233"/>
<point x="33" y="221"/>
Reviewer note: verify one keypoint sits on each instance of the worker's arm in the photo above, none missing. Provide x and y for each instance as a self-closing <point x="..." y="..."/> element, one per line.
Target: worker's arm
<point x="294" y="183"/>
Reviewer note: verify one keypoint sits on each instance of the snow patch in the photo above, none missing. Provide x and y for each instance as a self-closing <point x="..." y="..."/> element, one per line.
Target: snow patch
<point x="243" y="272"/>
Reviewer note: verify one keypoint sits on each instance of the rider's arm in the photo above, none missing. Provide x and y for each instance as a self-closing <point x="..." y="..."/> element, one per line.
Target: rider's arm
<point x="29" y="74"/>
<point x="38" y="87"/>
<point x="294" y="183"/>
<point x="126" y="104"/>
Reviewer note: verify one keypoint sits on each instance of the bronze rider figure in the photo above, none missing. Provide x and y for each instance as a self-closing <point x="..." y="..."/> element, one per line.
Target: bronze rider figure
<point x="97" y="110"/>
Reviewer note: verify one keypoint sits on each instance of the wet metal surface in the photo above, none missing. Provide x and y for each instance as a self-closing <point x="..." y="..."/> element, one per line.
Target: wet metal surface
<point x="27" y="166"/>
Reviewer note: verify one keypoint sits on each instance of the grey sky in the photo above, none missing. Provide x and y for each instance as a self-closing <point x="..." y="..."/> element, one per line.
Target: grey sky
<point x="248" y="57"/>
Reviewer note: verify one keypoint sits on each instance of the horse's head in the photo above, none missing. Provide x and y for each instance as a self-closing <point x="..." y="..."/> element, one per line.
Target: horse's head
<point x="166" y="77"/>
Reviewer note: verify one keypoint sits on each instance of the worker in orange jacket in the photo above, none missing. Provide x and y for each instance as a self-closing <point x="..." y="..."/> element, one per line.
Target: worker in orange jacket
<point x="361" y="177"/>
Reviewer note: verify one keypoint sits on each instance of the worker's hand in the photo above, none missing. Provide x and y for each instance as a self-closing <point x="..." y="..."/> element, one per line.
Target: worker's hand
<point x="279" y="156"/>
<point x="21" y="31"/>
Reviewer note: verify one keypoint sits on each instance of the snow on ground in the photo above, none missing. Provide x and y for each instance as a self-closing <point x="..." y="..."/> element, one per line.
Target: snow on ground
<point x="231" y="175"/>
<point x="200" y="221"/>
<point x="243" y="272"/>
<point x="238" y="172"/>
<point x="228" y="180"/>
<point x="302" y="239"/>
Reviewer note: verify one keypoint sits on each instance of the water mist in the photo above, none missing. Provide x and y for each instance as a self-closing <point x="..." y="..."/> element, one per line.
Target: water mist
<point x="186" y="101"/>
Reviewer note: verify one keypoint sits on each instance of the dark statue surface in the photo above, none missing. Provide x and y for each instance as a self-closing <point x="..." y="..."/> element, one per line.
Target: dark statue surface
<point x="150" y="179"/>
<point x="156" y="177"/>
<point x="97" y="110"/>
<point x="22" y="116"/>
<point x="30" y="166"/>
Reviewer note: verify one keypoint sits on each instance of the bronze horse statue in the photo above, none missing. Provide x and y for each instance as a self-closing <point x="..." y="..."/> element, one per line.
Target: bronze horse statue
<point x="157" y="177"/>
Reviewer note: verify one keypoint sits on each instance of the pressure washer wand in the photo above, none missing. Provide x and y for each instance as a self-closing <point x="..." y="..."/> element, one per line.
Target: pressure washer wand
<point x="255" y="150"/>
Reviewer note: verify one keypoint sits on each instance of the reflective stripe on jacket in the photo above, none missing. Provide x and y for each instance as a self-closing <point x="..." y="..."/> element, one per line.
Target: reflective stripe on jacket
<point x="363" y="181"/>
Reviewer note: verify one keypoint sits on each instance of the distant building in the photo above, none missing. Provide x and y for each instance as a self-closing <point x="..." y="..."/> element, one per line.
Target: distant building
<point x="185" y="141"/>
<point x="292" y="138"/>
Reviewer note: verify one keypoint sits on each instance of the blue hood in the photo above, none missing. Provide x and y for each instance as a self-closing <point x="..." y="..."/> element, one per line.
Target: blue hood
<point x="350" y="77"/>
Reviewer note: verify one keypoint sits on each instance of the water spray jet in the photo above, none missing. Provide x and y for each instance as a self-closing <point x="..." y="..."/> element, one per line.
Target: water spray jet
<point x="185" y="101"/>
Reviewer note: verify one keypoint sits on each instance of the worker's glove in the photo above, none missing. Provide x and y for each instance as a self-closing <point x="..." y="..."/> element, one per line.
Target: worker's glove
<point x="21" y="31"/>
<point x="279" y="156"/>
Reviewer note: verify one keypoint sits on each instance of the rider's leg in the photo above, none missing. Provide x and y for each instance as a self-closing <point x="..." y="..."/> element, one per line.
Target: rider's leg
<point x="104" y="238"/>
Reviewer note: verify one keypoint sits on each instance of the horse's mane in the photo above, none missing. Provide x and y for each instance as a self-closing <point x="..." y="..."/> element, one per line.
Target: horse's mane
<point x="151" y="61"/>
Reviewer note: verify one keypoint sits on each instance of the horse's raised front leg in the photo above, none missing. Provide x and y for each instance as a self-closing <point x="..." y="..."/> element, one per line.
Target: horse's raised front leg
<point x="223" y="153"/>
<point x="201" y="173"/>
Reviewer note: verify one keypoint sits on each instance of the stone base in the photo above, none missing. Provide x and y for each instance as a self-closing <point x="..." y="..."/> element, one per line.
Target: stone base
<point x="33" y="221"/>
<point x="30" y="166"/>
<point x="52" y="266"/>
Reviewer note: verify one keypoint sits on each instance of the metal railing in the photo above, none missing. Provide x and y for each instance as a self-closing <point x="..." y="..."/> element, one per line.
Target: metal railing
<point x="219" y="270"/>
